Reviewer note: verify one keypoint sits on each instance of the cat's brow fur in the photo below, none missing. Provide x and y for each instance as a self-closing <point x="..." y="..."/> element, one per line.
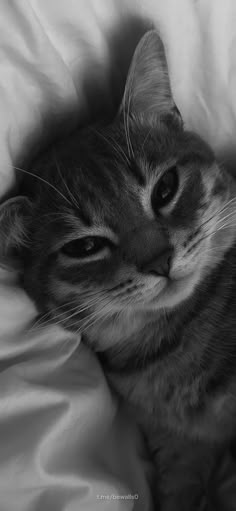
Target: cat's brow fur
<point x="168" y="350"/>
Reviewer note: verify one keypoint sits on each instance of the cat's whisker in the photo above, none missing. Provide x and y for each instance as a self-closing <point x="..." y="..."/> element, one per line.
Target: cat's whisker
<point x="101" y="292"/>
<point x="73" y="199"/>
<point x="145" y="140"/>
<point x="97" y="317"/>
<point x="88" y="305"/>
<point x="94" y="296"/>
<point x="211" y="233"/>
<point x="42" y="324"/>
<point x="218" y="212"/>
<point x="227" y="204"/>
<point x="85" y="323"/>
<point x="75" y="311"/>
<point x="78" y="310"/>
<point x="113" y="144"/>
<point x="53" y="317"/>
<point x="206" y="236"/>
<point x="232" y="213"/>
<point x="43" y="181"/>
<point x="128" y="119"/>
<point x="118" y="149"/>
<point x="224" y="226"/>
<point x="126" y="113"/>
<point x="44" y="316"/>
<point x="81" y="324"/>
<point x="121" y="151"/>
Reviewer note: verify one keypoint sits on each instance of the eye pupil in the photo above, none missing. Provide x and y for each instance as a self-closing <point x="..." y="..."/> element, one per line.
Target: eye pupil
<point x="165" y="190"/>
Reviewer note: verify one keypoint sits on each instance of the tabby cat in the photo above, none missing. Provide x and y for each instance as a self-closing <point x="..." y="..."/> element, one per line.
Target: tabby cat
<point x="126" y="233"/>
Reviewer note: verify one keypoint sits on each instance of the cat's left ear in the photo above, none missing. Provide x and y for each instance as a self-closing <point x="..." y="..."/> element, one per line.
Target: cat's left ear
<point x="148" y="90"/>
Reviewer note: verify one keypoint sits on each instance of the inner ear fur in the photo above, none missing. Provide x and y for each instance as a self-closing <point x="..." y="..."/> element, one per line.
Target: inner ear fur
<point x="148" y="90"/>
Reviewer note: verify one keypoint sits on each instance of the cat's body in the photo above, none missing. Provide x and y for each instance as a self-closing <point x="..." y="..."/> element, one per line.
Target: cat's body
<point x="127" y="235"/>
<point x="180" y="367"/>
<point x="184" y="394"/>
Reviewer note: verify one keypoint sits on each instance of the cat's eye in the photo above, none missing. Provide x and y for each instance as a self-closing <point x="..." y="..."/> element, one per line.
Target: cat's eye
<point x="165" y="190"/>
<point x="86" y="247"/>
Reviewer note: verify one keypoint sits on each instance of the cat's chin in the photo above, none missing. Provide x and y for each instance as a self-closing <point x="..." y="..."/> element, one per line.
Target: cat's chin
<point x="173" y="292"/>
<point x="178" y="291"/>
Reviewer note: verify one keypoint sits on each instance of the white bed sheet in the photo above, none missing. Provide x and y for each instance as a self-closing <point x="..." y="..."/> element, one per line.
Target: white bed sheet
<point x="63" y="440"/>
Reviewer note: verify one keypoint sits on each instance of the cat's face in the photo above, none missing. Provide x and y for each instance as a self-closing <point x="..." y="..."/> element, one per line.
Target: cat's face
<point x="129" y="217"/>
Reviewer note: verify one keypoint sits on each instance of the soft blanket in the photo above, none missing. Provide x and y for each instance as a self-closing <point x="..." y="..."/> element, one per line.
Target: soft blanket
<point x="64" y="443"/>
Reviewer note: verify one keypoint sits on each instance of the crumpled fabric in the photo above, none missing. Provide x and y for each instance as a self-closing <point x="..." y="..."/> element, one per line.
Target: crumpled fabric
<point x="65" y="443"/>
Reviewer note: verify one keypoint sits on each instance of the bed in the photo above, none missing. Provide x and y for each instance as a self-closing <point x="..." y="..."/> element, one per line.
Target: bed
<point x="66" y="444"/>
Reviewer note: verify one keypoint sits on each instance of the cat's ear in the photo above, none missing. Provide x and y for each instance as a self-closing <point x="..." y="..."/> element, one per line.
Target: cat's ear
<point x="14" y="216"/>
<point x="147" y="90"/>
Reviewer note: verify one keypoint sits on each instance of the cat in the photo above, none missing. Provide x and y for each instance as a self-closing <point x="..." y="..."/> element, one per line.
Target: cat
<point x="126" y="233"/>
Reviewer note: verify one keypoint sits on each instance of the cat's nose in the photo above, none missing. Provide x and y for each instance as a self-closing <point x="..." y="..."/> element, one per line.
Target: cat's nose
<point x="159" y="266"/>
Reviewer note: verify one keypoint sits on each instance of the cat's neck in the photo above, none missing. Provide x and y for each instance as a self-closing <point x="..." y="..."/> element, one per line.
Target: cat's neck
<point x="121" y="335"/>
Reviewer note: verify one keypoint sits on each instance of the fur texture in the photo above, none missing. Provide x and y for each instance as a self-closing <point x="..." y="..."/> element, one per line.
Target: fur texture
<point x="128" y="236"/>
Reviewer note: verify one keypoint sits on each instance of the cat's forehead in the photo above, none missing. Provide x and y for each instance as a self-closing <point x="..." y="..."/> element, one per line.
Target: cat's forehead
<point x="107" y="178"/>
<point x="114" y="156"/>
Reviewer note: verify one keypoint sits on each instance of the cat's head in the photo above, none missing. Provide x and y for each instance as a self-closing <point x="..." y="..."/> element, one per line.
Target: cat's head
<point x="126" y="217"/>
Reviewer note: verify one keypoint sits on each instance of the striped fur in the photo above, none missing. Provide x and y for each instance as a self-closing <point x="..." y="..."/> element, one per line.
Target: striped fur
<point x="167" y="345"/>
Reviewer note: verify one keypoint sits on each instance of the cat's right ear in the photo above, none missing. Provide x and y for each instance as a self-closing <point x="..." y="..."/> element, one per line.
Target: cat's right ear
<point x="14" y="217"/>
<point x="148" y="91"/>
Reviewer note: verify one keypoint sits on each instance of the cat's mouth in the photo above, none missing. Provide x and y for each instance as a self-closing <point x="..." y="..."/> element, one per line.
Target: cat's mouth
<point x="172" y="291"/>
